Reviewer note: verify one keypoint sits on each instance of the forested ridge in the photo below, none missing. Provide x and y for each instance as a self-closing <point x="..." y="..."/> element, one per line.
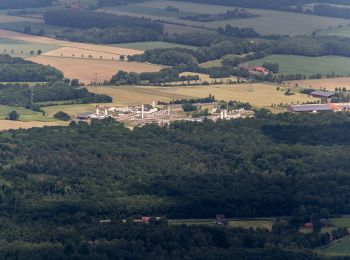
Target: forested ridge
<point x="57" y="183"/>
<point x="243" y="168"/>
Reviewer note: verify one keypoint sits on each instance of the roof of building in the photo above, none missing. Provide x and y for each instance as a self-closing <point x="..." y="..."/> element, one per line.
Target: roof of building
<point x="258" y="68"/>
<point x="311" y="107"/>
<point x="321" y="93"/>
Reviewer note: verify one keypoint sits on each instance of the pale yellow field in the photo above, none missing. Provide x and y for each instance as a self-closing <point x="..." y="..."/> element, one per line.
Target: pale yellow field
<point x="76" y="45"/>
<point x="11" y="19"/>
<point x="82" y="53"/>
<point x="329" y="84"/>
<point x="259" y="95"/>
<point x="89" y="70"/>
<point x="8" y="124"/>
<point x="102" y="66"/>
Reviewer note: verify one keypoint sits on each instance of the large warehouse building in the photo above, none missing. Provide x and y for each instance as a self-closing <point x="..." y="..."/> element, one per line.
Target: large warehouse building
<point x="314" y="108"/>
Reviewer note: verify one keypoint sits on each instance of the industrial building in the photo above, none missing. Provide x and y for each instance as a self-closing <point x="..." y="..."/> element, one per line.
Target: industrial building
<point x="314" y="108"/>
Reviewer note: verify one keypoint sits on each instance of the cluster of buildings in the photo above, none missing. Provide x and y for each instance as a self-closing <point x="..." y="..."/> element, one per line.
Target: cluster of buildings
<point x="325" y="104"/>
<point x="255" y="70"/>
<point x="161" y="115"/>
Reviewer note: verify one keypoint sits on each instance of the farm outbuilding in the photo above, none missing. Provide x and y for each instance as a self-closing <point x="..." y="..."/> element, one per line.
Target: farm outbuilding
<point x="322" y="94"/>
<point x="325" y="96"/>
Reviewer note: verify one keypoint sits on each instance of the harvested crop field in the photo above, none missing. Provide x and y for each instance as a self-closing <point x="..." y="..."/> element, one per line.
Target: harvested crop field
<point x="89" y="70"/>
<point x="258" y="94"/>
<point x="104" y="49"/>
<point x="13" y="19"/>
<point x="82" y="53"/>
<point x="329" y="84"/>
<point x="8" y="124"/>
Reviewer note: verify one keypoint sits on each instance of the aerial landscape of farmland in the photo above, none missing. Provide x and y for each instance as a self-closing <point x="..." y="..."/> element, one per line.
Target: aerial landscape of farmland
<point x="175" y="129"/>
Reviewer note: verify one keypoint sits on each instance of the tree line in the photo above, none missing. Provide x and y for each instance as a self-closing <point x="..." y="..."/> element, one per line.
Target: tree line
<point x="19" y="94"/>
<point x="19" y="70"/>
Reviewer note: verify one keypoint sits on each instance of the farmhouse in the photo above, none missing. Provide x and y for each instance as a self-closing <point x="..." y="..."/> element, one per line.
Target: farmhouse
<point x="259" y="70"/>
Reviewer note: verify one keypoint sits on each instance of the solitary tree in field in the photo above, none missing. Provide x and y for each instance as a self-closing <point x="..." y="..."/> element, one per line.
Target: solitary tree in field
<point x="31" y="52"/>
<point x="13" y="115"/>
<point x="12" y="52"/>
<point x="122" y="57"/>
<point x="39" y="52"/>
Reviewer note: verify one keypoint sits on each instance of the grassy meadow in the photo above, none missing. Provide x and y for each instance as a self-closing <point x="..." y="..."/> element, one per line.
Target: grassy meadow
<point x="26" y="115"/>
<point x="22" y="48"/>
<point x="72" y="110"/>
<point x="250" y="223"/>
<point x="291" y="64"/>
<point x="340" y="247"/>
<point x="337" y="31"/>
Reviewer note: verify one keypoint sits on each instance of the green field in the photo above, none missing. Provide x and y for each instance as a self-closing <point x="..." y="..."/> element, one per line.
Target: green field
<point x="290" y="64"/>
<point x="268" y="22"/>
<point x="72" y="110"/>
<point x="25" y="114"/>
<point x="22" y="48"/>
<point x="250" y="223"/>
<point x="212" y="63"/>
<point x="339" y="248"/>
<point x="337" y="31"/>
<point x="143" y="46"/>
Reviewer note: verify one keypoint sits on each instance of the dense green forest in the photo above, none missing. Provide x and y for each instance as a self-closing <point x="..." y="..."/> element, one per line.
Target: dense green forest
<point x="104" y="28"/>
<point x="163" y="76"/>
<point x="57" y="183"/>
<point x="244" y="168"/>
<point x="18" y="94"/>
<point x="19" y="4"/>
<point x="86" y="19"/>
<point x="178" y="56"/>
<point x="19" y="70"/>
<point x="110" y="35"/>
